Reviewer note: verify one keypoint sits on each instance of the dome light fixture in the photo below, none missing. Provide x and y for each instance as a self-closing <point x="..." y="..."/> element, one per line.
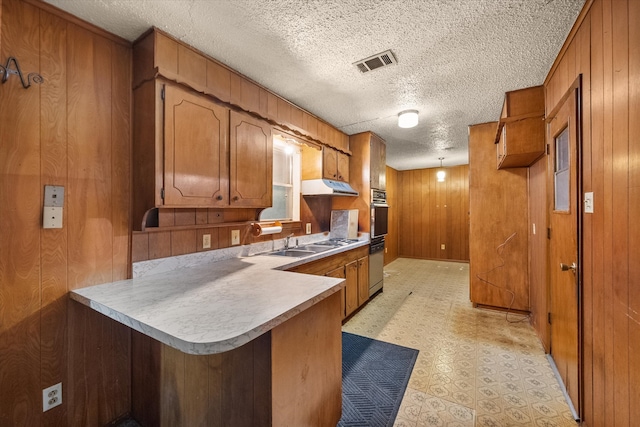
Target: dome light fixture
<point x="408" y="118"/>
<point x="440" y="175"/>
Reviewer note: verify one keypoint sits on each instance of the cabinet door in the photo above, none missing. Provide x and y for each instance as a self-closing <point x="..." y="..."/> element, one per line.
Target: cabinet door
<point x="195" y="150"/>
<point x="378" y="163"/>
<point x="251" y="165"/>
<point x="363" y="280"/>
<point x="351" y="290"/>
<point x="329" y="163"/>
<point x="343" y="167"/>
<point x="339" y="273"/>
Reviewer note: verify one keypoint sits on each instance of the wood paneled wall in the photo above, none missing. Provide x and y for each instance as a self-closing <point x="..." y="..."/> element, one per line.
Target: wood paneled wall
<point x="499" y="210"/>
<point x="392" y="239"/>
<point x="74" y="131"/>
<point x="605" y="49"/>
<point x="538" y="290"/>
<point x="434" y="213"/>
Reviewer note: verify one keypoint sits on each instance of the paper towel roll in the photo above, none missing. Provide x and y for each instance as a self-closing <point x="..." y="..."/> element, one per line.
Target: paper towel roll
<point x="263" y="229"/>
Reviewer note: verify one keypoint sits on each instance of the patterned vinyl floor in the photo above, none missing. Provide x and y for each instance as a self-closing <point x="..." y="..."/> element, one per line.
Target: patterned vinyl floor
<point x="475" y="367"/>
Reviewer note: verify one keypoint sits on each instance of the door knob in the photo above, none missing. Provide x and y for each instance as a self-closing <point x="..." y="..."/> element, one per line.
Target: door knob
<point x="565" y="267"/>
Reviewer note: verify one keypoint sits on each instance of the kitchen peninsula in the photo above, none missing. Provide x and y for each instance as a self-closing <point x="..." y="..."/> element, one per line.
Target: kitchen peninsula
<point x="235" y="342"/>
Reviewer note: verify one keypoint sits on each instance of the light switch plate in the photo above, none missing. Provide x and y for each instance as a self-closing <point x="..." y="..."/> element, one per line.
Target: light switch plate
<point x="308" y="229"/>
<point x="588" y="202"/>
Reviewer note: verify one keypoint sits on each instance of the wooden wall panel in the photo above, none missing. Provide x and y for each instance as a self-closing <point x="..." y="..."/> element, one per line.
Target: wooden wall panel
<point x="606" y="53"/>
<point x="20" y="264"/>
<point x="498" y="209"/>
<point x="433" y="213"/>
<point x="53" y="242"/>
<point x="391" y="240"/>
<point x="538" y="281"/>
<point x="72" y="130"/>
<point x="634" y="208"/>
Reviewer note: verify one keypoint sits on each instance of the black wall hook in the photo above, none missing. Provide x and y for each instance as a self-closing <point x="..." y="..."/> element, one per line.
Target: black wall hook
<point x="7" y="70"/>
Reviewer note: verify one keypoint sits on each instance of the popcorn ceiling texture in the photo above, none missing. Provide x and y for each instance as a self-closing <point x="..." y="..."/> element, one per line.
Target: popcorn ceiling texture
<point x="456" y="58"/>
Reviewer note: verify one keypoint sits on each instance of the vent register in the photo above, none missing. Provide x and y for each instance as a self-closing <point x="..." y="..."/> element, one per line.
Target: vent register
<point x="376" y="61"/>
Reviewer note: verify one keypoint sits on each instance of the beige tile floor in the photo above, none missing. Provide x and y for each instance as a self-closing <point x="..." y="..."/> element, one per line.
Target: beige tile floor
<point x="475" y="367"/>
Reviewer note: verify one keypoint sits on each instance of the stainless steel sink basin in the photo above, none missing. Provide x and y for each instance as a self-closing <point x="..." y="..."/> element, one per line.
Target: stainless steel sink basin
<point x="318" y="248"/>
<point x="293" y="253"/>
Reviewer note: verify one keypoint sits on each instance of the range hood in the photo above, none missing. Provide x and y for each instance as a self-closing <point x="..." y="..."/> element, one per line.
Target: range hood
<point x="326" y="187"/>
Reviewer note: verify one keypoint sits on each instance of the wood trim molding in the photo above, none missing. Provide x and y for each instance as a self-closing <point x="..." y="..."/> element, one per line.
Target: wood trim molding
<point x="574" y="30"/>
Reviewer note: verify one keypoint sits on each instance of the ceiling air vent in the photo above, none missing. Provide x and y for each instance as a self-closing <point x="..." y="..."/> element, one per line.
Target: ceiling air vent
<point x="376" y="61"/>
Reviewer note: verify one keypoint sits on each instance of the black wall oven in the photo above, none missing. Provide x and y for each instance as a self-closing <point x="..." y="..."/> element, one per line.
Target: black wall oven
<point x="379" y="213"/>
<point x="379" y="223"/>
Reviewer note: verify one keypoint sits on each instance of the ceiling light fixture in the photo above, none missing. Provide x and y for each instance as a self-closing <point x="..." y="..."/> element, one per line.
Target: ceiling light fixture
<point x="441" y="174"/>
<point x="408" y="118"/>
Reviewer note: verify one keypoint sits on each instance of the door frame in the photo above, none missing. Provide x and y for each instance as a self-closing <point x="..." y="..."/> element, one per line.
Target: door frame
<point x="574" y="90"/>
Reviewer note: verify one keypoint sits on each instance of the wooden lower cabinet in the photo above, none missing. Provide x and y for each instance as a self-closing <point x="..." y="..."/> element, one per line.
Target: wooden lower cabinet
<point x="363" y="280"/>
<point x="340" y="273"/>
<point x="289" y="376"/>
<point x="351" y="265"/>
<point x="351" y="290"/>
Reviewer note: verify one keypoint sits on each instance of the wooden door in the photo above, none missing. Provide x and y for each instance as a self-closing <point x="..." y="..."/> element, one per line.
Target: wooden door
<point x="564" y="290"/>
<point x="363" y="280"/>
<point x="195" y="150"/>
<point x="342" y="167"/>
<point x="251" y="162"/>
<point x="351" y="290"/>
<point x="329" y="163"/>
<point x="339" y="273"/>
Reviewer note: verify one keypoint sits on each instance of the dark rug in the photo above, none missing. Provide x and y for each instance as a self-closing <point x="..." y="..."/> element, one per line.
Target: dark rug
<point x="374" y="377"/>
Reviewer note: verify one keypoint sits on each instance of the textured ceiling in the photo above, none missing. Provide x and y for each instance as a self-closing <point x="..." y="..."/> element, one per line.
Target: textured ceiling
<point x="456" y="58"/>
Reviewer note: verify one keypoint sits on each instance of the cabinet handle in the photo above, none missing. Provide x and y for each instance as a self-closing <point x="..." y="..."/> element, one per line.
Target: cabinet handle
<point x="219" y="197"/>
<point x="236" y="198"/>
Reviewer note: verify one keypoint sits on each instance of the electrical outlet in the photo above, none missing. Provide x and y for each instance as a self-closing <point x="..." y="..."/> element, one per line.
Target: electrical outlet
<point x="442" y="246"/>
<point x="308" y="228"/>
<point x="235" y="237"/>
<point x="51" y="397"/>
<point x="206" y="241"/>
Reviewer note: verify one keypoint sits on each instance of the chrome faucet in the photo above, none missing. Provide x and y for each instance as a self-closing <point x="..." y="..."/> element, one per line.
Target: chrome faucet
<point x="286" y="241"/>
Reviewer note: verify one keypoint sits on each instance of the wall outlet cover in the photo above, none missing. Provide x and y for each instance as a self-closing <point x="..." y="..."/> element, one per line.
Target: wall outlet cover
<point x="235" y="237"/>
<point x="308" y="228"/>
<point x="51" y="397"/>
<point x="206" y="241"/>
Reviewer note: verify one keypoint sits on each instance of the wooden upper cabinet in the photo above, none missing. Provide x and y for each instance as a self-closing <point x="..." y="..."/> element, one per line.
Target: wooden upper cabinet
<point x="378" y="160"/>
<point x="335" y="165"/>
<point x="520" y="134"/>
<point x="157" y="54"/>
<point x="251" y="162"/>
<point x="195" y="150"/>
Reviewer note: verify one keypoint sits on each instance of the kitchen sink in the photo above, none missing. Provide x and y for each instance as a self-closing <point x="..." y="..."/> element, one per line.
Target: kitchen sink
<point x="317" y="248"/>
<point x="293" y="253"/>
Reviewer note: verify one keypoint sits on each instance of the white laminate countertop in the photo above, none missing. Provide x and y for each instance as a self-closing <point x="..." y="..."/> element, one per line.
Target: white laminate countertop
<point x="215" y="307"/>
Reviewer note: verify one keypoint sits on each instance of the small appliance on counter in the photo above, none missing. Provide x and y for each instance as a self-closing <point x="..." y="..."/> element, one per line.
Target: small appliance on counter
<point x="344" y="224"/>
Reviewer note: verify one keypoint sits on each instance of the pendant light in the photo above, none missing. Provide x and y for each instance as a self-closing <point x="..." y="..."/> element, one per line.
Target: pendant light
<point x="441" y="173"/>
<point x="408" y="118"/>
